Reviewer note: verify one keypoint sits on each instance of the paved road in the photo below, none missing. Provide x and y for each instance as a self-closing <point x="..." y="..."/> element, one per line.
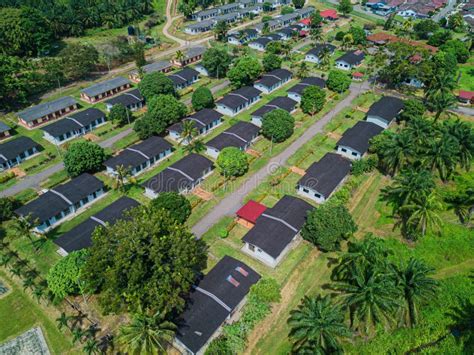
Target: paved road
<point x="169" y="22"/>
<point x="230" y="204"/>
<point x="445" y="10"/>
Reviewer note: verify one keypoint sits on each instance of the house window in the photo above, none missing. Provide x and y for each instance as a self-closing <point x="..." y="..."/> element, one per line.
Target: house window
<point x="344" y="150"/>
<point x="317" y="195"/>
<point x="252" y="247"/>
<point x="354" y="154"/>
<point x="305" y="190"/>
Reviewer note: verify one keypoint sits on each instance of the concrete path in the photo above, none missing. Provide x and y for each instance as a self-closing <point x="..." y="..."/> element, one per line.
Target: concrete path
<point x="169" y="22"/>
<point x="230" y="204"/>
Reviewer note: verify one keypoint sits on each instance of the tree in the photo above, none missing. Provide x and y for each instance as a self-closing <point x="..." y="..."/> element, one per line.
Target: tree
<point x="316" y="19"/>
<point x="458" y="48"/>
<point x="83" y="157"/>
<point x="285" y="10"/>
<point x="338" y="81"/>
<point x="139" y="54"/>
<point x="146" y="257"/>
<point x="154" y="84"/>
<point x="298" y="4"/>
<point x="123" y="174"/>
<point x="63" y="320"/>
<point x="303" y="70"/>
<point x="146" y="334"/>
<point x="325" y="57"/>
<point x="271" y="62"/>
<point x="397" y="152"/>
<point x="216" y="61"/>
<point x="464" y="135"/>
<point x="313" y="99"/>
<point x="317" y="326"/>
<point x="7" y="206"/>
<point x="456" y="22"/>
<point x="120" y="115"/>
<point x="438" y="95"/>
<point x="442" y="155"/>
<point x="416" y="287"/>
<point x="245" y="71"/>
<point x="65" y="277"/>
<point x="345" y="7"/>
<point x="220" y="30"/>
<point x="424" y="28"/>
<point x="440" y="37"/>
<point x="327" y="225"/>
<point x="78" y="60"/>
<point x="278" y="125"/>
<point x="202" y="98"/>
<point x="413" y="109"/>
<point x="316" y="34"/>
<point x="177" y="205"/>
<point x="423" y="214"/>
<point x="347" y="41"/>
<point x="232" y="162"/>
<point x="358" y="35"/>
<point x="91" y="347"/>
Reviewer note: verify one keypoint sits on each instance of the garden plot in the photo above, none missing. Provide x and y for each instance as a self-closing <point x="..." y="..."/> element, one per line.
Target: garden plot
<point x="29" y="343"/>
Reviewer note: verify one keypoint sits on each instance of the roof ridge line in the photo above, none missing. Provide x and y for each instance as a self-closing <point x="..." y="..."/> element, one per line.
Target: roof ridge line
<point x="61" y="196"/>
<point x="181" y="172"/>
<point x="138" y="151"/>
<point x="236" y="136"/>
<point x="214" y="297"/>
<point x="98" y="220"/>
<point x="74" y="120"/>
<point x="281" y="221"/>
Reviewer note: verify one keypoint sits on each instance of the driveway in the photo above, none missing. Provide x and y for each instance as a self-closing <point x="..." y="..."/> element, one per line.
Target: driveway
<point x="230" y="204"/>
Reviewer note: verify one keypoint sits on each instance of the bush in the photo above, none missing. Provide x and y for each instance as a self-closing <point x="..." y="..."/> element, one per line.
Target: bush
<point x="7" y="206"/>
<point x="176" y="204"/>
<point x="223" y="233"/>
<point x="278" y="125"/>
<point x="120" y="115"/>
<point x="271" y="62"/>
<point x="6" y="177"/>
<point x="83" y="157"/>
<point x="64" y="278"/>
<point x="364" y="165"/>
<point x="267" y="290"/>
<point x="338" y="81"/>
<point x="232" y="162"/>
<point x="202" y="98"/>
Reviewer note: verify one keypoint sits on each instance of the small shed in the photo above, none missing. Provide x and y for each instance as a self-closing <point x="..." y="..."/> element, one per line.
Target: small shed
<point x="247" y="215"/>
<point x="357" y="76"/>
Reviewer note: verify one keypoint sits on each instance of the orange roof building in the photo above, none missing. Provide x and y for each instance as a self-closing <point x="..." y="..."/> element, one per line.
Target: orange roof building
<point x="382" y="38"/>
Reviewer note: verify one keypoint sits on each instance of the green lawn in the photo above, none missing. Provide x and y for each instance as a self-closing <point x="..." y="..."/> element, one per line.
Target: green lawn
<point x="466" y="77"/>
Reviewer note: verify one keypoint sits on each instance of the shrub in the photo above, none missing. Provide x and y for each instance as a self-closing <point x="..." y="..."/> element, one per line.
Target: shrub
<point x="364" y="165"/>
<point x="64" y="278"/>
<point x="176" y="204"/>
<point x="278" y="125"/>
<point x="232" y="162"/>
<point x="202" y="98"/>
<point x="7" y="206"/>
<point x="83" y="157"/>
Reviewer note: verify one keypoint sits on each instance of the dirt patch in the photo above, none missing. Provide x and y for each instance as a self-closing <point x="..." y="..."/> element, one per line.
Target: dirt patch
<point x="334" y="135"/>
<point x="203" y="194"/>
<point x="244" y="223"/>
<point x="298" y="171"/>
<point x="18" y="172"/>
<point x="91" y="137"/>
<point x="362" y="109"/>
<point x="253" y="153"/>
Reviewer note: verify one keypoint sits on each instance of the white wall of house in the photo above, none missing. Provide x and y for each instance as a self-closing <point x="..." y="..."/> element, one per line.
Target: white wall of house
<point x="257" y="121"/>
<point x="311" y="58"/>
<point x="340" y="64"/>
<point x="294" y="96"/>
<point x="27" y="154"/>
<point x="212" y="152"/>
<point x="257" y="47"/>
<point x="349" y="152"/>
<point x="265" y="258"/>
<point x="227" y="111"/>
<point x="310" y="193"/>
<point x="379" y="121"/>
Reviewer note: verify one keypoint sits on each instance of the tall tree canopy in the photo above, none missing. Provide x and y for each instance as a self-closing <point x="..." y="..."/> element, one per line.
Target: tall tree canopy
<point x="245" y="71"/>
<point x="216" y="61"/>
<point x="83" y="157"/>
<point x="155" y="84"/>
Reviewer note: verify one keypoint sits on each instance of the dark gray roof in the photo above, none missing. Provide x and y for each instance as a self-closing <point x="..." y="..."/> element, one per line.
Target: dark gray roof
<point x="51" y="203"/>
<point x="128" y="98"/>
<point x="283" y="102"/>
<point x="239" y="135"/>
<point x="352" y="58"/>
<point x="318" y="49"/>
<point x="104" y="86"/>
<point x="286" y="31"/>
<point x="180" y="175"/>
<point x="183" y="76"/>
<point x="194" y="51"/>
<point x="203" y="24"/>
<point x="131" y="158"/>
<point x="46" y="108"/>
<point x="305" y="11"/>
<point x="326" y="174"/>
<point x="13" y="148"/>
<point x="226" y="17"/>
<point x="205" y="314"/>
<point x="358" y="136"/>
<point x="239" y="97"/>
<point x="273" y="36"/>
<point x="275" y="76"/>
<point x="304" y="83"/>
<point x="262" y="40"/>
<point x="73" y="122"/>
<point x="154" y="67"/>
<point x="206" y="12"/>
<point x="229" y="6"/>
<point x="201" y="119"/>
<point x="80" y="237"/>
<point x="388" y="107"/>
<point x="277" y="226"/>
<point x="4" y="127"/>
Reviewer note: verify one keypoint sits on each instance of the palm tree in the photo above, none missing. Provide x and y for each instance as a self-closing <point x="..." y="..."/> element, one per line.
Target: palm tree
<point x="38" y="292"/>
<point x="325" y="57"/>
<point x="77" y="334"/>
<point x="91" y="347"/>
<point x="220" y="30"/>
<point x="196" y="146"/>
<point x="63" y="320"/>
<point x="416" y="287"/>
<point x="398" y="152"/>
<point x="317" y="326"/>
<point x="303" y="71"/>
<point x="123" y="175"/>
<point x="464" y="134"/>
<point x="423" y="214"/>
<point x="316" y="34"/>
<point x="28" y="282"/>
<point x="438" y="95"/>
<point x="442" y="155"/>
<point x="146" y="334"/>
<point x="188" y="132"/>
<point x="420" y="131"/>
<point x="21" y="226"/>
<point x="179" y="56"/>
<point x="462" y="204"/>
<point x="347" y="41"/>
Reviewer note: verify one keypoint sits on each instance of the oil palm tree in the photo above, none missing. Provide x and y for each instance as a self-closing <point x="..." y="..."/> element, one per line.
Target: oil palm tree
<point x="464" y="134"/>
<point x="438" y="95"/>
<point x="77" y="334"/>
<point x="196" y="146"/>
<point x="423" y="214"/>
<point x="123" y="175"/>
<point x="347" y="41"/>
<point x="316" y="34"/>
<point x="442" y="156"/>
<point x="420" y="131"/>
<point x="325" y="57"/>
<point x="146" y="334"/>
<point x="28" y="283"/>
<point x="63" y="320"/>
<point x="91" y="347"/>
<point x="303" y="71"/>
<point x="416" y="287"/>
<point x="188" y="132"/>
<point x="317" y="326"/>
<point x="179" y="56"/>
<point x="398" y="152"/>
<point x="462" y="204"/>
<point x="38" y="292"/>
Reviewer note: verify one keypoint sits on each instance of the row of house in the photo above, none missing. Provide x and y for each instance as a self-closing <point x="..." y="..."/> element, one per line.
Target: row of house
<point x="16" y="150"/>
<point x="415" y="9"/>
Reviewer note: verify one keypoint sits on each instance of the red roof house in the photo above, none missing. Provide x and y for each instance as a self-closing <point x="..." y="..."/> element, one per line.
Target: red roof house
<point x="357" y="75"/>
<point x="466" y="97"/>
<point x="306" y="21"/>
<point x="251" y="211"/>
<point x="329" y="14"/>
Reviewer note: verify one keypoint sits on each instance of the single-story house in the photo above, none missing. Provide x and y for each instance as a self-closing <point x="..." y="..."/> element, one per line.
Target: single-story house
<point x="247" y="3"/>
<point x="314" y="54"/>
<point x="53" y="206"/>
<point x="162" y="66"/>
<point x="73" y="126"/>
<point x="227" y="18"/>
<point x="350" y="60"/>
<point x="329" y="14"/>
<point x="47" y="111"/>
<point x="285" y="33"/>
<point x="384" y="111"/>
<point x="270" y="25"/>
<point x="80" y="237"/>
<point x="240" y="135"/>
<point x="275" y="230"/>
<point x="465" y="97"/>
<point x="238" y="100"/>
<point x="201" y="69"/>
<point x="247" y="215"/>
<point x="133" y="100"/>
<point x="229" y="8"/>
<point x="204" y="121"/>
<point x="274" y="36"/>
<point x="260" y="43"/>
<point x="14" y="151"/>
<point x="199" y="27"/>
<point x="273" y="80"/>
<point x="5" y="131"/>
<point x="324" y="177"/>
<point x="255" y="10"/>
<point x="140" y="156"/>
<point x="191" y="55"/>
<point x="285" y="20"/>
<point x="181" y="177"/>
<point x="184" y="78"/>
<point x="216" y="298"/>
<point x="242" y="37"/>
<point x="100" y="91"/>
<point x="296" y="91"/>
<point x="305" y="12"/>
<point x="355" y="141"/>
<point x="205" y="14"/>
<point x="280" y="102"/>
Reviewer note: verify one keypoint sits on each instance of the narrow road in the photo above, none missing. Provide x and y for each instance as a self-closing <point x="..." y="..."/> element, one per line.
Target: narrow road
<point x="169" y="22"/>
<point x="231" y="203"/>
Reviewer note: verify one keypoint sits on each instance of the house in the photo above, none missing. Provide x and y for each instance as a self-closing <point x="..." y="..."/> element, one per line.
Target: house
<point x="305" y="12"/>
<point x="285" y="20"/>
<point x="73" y="126"/>
<point x="350" y="60"/>
<point x="357" y="76"/>
<point x="324" y="177"/>
<point x="53" y="206"/>
<point x="270" y="25"/>
<point x="260" y="43"/>
<point x="204" y="121"/>
<point x="227" y="18"/>
<point x="247" y="3"/>
<point x="238" y="100"/>
<point x="296" y="91"/>
<point x="241" y="37"/>
<point x="273" y="80"/>
<point x="465" y="97"/>
<point x="384" y="111"/>
<point x="315" y="54"/>
<point x="383" y="38"/>
<point x="192" y="55"/>
<point x="133" y="100"/>
<point x="280" y="102"/>
<point x="201" y="69"/>
<point x="329" y="14"/>
<point x="181" y="177"/>
<point x="355" y="141"/>
<point x="199" y="27"/>
<point x="205" y="14"/>
<point x="80" y="237"/>
<point x="247" y="215"/>
<point x="285" y="34"/>
<point x="100" y="91"/>
<point x="255" y="10"/>
<point x="274" y="36"/>
<point x="140" y="156"/>
<point x="184" y="78"/>
<point x="218" y="297"/>
<point x="162" y="66"/>
<point x="240" y="135"/>
<point x="305" y="23"/>
<point x="48" y="111"/>
<point x="275" y="230"/>
<point x="14" y="151"/>
<point x="5" y="131"/>
<point x="229" y="8"/>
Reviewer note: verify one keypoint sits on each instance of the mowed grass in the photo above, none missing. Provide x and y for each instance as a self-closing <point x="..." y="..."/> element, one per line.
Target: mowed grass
<point x="466" y="77"/>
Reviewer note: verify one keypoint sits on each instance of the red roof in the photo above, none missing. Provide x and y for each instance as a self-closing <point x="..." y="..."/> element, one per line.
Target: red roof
<point x="251" y="211"/>
<point x="466" y="95"/>
<point x="329" y="13"/>
<point x="357" y="74"/>
<point x="306" y="21"/>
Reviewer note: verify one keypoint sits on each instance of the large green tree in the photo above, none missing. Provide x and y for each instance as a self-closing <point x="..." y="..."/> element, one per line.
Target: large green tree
<point x="176" y="204"/>
<point x="232" y="162"/>
<point x="65" y="277"/>
<point x="202" y="98"/>
<point x="345" y="7"/>
<point x="313" y="99"/>
<point x="338" y="81"/>
<point x="278" y="125"/>
<point x="245" y="71"/>
<point x="155" y="84"/>
<point x="78" y="60"/>
<point x="120" y="115"/>
<point x="217" y="61"/>
<point x="271" y="62"/>
<point x="82" y="157"/>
